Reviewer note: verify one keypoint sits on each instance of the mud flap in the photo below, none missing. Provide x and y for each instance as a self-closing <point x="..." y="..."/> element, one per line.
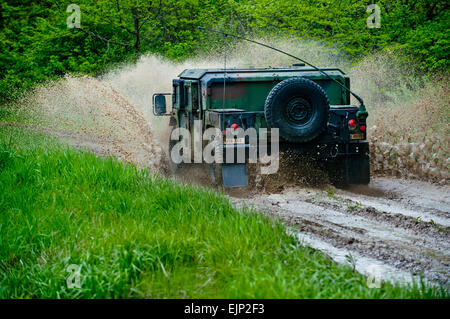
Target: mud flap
<point x="355" y="170"/>
<point x="350" y="170"/>
<point x="358" y="170"/>
<point x="234" y="175"/>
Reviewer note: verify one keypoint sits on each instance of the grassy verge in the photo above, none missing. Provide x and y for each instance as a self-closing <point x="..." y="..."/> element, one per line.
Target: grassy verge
<point x="138" y="235"/>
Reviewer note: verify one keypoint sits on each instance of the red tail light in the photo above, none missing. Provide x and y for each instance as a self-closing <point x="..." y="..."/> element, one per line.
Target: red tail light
<point x="234" y="126"/>
<point x="352" y="124"/>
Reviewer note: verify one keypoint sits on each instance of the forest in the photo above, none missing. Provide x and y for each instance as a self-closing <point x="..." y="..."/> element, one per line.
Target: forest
<point x="41" y="40"/>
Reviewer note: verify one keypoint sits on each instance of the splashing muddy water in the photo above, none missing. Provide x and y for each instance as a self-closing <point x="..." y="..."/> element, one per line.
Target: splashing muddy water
<point x="408" y="113"/>
<point x="91" y="109"/>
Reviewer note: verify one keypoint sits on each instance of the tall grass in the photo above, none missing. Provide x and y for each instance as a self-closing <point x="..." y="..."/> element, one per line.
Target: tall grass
<point x="137" y="235"/>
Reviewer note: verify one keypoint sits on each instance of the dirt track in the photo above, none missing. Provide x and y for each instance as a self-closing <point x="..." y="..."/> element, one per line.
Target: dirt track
<point x="391" y="228"/>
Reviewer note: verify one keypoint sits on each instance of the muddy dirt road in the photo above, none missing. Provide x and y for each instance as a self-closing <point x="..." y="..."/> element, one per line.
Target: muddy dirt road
<point x="392" y="229"/>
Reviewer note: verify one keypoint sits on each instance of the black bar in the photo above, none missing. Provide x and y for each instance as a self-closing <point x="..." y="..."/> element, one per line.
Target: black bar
<point x="219" y="308"/>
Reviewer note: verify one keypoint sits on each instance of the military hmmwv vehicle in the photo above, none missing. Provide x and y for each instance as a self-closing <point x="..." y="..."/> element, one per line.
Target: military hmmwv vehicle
<point x="310" y="106"/>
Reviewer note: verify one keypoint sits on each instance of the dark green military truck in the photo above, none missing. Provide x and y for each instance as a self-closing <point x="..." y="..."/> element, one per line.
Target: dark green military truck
<point x="309" y="106"/>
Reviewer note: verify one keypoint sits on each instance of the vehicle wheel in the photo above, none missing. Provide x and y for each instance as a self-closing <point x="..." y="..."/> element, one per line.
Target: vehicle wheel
<point x="299" y="108"/>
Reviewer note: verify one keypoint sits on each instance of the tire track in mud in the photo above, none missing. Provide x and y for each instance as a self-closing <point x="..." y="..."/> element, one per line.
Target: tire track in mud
<point x="394" y="224"/>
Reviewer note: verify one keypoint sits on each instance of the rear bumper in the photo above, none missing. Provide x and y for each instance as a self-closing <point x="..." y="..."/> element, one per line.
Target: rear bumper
<point x="319" y="151"/>
<point x="329" y="150"/>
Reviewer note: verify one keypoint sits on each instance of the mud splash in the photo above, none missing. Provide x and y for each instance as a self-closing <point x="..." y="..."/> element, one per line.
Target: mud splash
<point x="408" y="122"/>
<point x="411" y="140"/>
<point x="89" y="111"/>
<point x="112" y="114"/>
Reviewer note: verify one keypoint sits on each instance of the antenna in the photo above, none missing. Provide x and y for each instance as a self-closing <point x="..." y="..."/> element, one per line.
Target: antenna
<point x="224" y="78"/>
<point x="362" y="113"/>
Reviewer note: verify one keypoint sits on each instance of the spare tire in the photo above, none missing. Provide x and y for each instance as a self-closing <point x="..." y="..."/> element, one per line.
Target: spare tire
<point x="299" y="108"/>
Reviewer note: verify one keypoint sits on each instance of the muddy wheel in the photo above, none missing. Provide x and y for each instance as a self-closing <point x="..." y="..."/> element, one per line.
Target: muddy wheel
<point x="299" y="108"/>
<point x="344" y="172"/>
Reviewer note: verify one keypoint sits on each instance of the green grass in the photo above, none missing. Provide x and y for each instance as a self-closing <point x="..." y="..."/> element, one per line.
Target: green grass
<point x="136" y="235"/>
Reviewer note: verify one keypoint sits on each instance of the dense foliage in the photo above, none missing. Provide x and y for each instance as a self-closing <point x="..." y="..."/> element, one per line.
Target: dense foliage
<point x="37" y="45"/>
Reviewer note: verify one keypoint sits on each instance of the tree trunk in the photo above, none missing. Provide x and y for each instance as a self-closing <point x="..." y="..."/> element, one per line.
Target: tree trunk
<point x="136" y="29"/>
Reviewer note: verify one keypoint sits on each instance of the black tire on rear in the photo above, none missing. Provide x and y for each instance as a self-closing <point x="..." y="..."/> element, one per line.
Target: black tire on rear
<point x="299" y="108"/>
